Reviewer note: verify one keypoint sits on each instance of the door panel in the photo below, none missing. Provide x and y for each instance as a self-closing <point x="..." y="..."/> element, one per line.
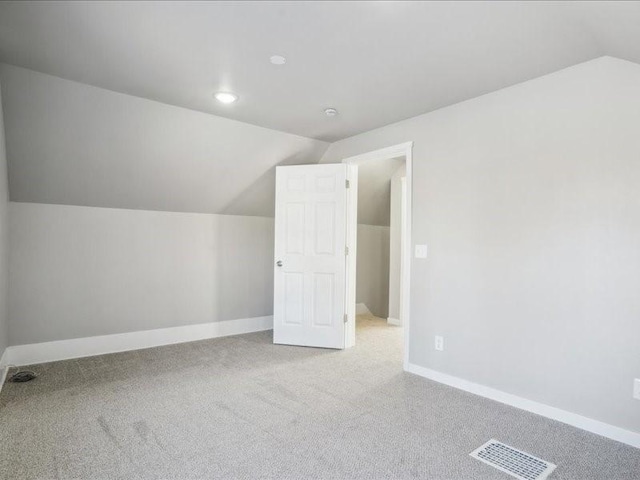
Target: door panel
<point x="293" y="312"/>
<point x="310" y="230"/>
<point x="294" y="243"/>
<point x="322" y="299"/>
<point x="325" y="228"/>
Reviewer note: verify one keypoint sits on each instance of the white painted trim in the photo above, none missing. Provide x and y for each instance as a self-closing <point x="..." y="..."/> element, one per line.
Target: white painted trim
<point x="594" y="426"/>
<point x="3" y="376"/>
<point x="4" y="358"/>
<point x="352" y="245"/>
<point x="394" y="321"/>
<point x="4" y="367"/>
<point x="403" y="250"/>
<point x="406" y="252"/>
<point x="86" y="347"/>
<point x="401" y="150"/>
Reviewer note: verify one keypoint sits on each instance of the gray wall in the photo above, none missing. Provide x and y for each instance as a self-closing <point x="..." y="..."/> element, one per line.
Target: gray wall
<point x="74" y="144"/>
<point x="4" y="204"/>
<point x="372" y="268"/>
<point x="83" y="271"/>
<point x="529" y="201"/>
<point x="374" y="190"/>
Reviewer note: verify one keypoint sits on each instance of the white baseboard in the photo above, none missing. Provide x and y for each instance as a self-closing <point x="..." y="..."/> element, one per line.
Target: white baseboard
<point x="361" y="309"/>
<point x="86" y="347"/>
<point x="573" y="419"/>
<point x="3" y="376"/>
<point x="4" y="367"/>
<point x="4" y="358"/>
<point x="394" y="321"/>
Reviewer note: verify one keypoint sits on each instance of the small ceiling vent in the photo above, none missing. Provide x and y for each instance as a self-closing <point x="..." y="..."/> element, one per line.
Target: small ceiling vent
<point x="516" y="463"/>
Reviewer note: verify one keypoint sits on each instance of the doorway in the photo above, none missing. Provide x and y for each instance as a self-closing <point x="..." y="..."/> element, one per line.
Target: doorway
<point x="316" y="251"/>
<point x="379" y="240"/>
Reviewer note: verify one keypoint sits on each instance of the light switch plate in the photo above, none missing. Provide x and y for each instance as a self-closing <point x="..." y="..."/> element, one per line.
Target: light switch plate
<point x="421" y="251"/>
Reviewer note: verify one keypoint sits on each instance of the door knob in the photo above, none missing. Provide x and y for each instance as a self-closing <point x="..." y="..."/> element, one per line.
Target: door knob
<point x="279" y="263"/>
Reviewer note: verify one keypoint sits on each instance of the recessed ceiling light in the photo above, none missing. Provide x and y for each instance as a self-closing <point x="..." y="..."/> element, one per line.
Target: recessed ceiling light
<point x="278" y="60"/>
<point x="226" y="97"/>
<point x="330" y="112"/>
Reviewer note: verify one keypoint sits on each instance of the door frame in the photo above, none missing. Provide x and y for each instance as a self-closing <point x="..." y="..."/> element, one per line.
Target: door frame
<point x="401" y="150"/>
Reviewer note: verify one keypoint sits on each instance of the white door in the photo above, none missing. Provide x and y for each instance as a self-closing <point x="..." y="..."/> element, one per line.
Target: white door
<point x="310" y="249"/>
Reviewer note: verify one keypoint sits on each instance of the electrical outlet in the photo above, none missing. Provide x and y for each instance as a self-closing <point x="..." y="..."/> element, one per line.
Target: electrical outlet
<point x="439" y="343"/>
<point x="636" y="388"/>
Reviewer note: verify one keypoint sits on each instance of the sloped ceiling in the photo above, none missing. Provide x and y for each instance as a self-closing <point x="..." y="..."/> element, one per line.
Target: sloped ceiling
<point x="121" y="113"/>
<point x="376" y="62"/>
<point x="374" y="190"/>
<point x="70" y="143"/>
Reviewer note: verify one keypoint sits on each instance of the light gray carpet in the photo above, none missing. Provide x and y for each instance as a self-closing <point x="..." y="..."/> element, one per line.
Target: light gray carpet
<point x="240" y="407"/>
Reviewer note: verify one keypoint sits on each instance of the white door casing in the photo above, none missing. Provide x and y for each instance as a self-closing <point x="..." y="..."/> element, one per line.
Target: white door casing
<point x="403" y="250"/>
<point x="401" y="150"/>
<point x="310" y="255"/>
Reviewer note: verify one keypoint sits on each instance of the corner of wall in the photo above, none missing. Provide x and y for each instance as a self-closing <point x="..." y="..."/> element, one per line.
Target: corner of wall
<point x="4" y="239"/>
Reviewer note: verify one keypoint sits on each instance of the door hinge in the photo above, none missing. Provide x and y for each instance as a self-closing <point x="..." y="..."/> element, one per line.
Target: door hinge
<point x="346" y="318"/>
<point x="347" y="184"/>
<point x="346" y="251"/>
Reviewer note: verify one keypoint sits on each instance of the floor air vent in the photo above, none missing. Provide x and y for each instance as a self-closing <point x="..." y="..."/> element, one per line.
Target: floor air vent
<point x="22" y="376"/>
<point x="512" y="461"/>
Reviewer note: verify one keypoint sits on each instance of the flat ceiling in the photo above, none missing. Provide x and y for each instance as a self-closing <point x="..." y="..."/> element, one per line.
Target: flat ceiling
<point x="376" y="62"/>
